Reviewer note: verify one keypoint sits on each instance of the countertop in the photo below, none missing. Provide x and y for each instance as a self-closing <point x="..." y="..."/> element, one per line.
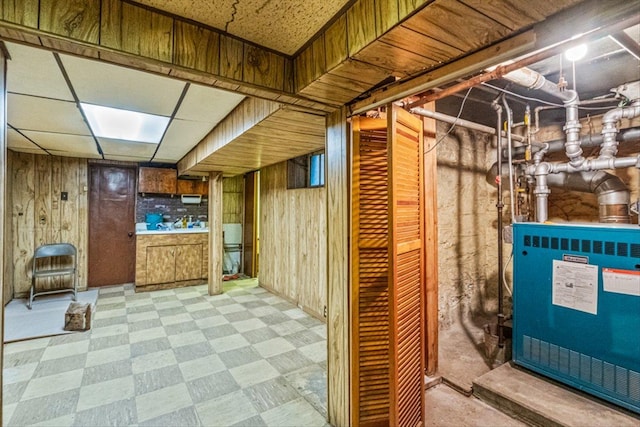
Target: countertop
<point x="141" y="229"/>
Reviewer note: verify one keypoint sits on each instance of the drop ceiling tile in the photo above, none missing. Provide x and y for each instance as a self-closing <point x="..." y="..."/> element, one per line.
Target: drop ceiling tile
<point x="125" y="158"/>
<point x="181" y="137"/>
<point x="109" y="85"/>
<point x="78" y="155"/>
<point x="42" y="114"/>
<point x="117" y="147"/>
<point x="206" y="104"/>
<point x="34" y="71"/>
<point x="64" y="144"/>
<point x="17" y="142"/>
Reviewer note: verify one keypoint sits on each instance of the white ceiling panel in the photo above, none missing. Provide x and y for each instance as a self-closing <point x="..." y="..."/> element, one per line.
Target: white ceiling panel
<point x="79" y="155"/>
<point x="118" y="147"/>
<point x="43" y="114"/>
<point x="112" y="86"/>
<point x="70" y="145"/>
<point x="125" y="158"/>
<point x="206" y="104"/>
<point x="181" y="137"/>
<point x="17" y="142"/>
<point x="35" y="72"/>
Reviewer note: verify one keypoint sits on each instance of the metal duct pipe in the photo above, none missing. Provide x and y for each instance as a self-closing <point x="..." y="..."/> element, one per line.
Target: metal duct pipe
<point x="612" y="193"/>
<point x="534" y="80"/>
<point x="587" y="141"/>
<point x="610" y="130"/>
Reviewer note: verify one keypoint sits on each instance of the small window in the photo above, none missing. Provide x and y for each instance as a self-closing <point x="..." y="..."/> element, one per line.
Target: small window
<point x="306" y="171"/>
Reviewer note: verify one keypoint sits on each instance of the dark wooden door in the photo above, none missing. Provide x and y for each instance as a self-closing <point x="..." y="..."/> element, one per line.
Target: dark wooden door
<point x="112" y="240"/>
<point x="250" y="227"/>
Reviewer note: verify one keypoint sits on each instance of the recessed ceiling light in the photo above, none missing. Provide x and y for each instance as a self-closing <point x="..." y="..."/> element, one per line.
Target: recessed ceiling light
<point x="576" y="53"/>
<point x="114" y="123"/>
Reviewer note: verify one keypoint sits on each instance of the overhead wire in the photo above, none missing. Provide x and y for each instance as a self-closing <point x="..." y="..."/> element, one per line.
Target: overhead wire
<point x="453" y="125"/>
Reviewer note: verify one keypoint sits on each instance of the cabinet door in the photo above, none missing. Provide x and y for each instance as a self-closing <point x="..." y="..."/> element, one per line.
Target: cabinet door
<point x="157" y="180"/>
<point x="188" y="262"/>
<point x="161" y="264"/>
<point x="186" y="186"/>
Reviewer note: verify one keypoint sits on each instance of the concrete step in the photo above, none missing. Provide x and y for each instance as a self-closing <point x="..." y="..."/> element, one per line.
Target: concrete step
<point x="540" y="401"/>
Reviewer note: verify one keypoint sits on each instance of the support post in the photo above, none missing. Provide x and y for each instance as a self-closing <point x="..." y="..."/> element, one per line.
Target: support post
<point x="216" y="248"/>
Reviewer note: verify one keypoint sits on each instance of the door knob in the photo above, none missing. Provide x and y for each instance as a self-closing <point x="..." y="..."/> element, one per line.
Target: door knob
<point x="130" y="233"/>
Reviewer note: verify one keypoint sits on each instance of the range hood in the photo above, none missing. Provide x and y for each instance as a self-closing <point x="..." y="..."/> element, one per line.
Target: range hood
<point x="191" y="199"/>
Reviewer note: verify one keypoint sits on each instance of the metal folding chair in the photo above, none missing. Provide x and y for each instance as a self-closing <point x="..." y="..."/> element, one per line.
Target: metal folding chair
<point x="53" y="251"/>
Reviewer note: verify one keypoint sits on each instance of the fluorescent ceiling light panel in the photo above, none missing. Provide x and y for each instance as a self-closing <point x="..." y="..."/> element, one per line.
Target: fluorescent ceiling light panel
<point x="114" y="123"/>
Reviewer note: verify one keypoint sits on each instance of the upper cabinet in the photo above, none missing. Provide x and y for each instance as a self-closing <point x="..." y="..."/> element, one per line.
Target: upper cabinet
<point x="157" y="180"/>
<point x="193" y="186"/>
<point x="165" y="181"/>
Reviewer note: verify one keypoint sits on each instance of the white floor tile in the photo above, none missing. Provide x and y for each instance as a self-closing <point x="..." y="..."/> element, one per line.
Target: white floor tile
<point x="147" y="334"/>
<point x="65" y="350"/>
<point x="105" y="392"/>
<point x="226" y="410"/>
<point x="108" y="355"/>
<point x="248" y="325"/>
<point x="7" y="413"/>
<point x="295" y="413"/>
<point x="253" y="373"/>
<point x="109" y="331"/>
<point x="202" y="367"/>
<point x="145" y="315"/>
<point x="20" y="346"/>
<point x="18" y="374"/>
<point x="53" y="384"/>
<point x="186" y="338"/>
<point x="228" y="343"/>
<point x="273" y="347"/>
<point x="316" y="351"/>
<point x="163" y="401"/>
<point x="152" y="361"/>
<point x="210" y="322"/>
<point x="178" y="318"/>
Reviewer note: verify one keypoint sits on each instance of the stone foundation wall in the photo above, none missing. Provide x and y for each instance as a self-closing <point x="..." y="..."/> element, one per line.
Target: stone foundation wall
<point x="466" y="226"/>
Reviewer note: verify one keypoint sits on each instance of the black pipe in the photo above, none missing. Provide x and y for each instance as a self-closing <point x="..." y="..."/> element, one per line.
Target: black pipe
<point x="626" y="135"/>
<point x="499" y="206"/>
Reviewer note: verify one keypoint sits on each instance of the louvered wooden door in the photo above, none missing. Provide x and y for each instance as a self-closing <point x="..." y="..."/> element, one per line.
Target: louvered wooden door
<point x="406" y="269"/>
<point x="370" y="273"/>
<point x="387" y="291"/>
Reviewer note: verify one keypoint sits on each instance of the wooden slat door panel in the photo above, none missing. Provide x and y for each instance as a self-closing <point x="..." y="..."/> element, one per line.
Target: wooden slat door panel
<point x="406" y="269"/>
<point x="387" y="271"/>
<point x="370" y="269"/>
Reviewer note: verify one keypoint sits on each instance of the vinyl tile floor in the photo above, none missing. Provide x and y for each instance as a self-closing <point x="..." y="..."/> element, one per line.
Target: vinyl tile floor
<point x="174" y="358"/>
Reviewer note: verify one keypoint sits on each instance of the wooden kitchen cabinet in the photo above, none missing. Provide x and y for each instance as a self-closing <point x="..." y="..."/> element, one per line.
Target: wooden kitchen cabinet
<point x="161" y="261"/>
<point x="193" y="186"/>
<point x="171" y="260"/>
<point x="157" y="180"/>
<point x="188" y="262"/>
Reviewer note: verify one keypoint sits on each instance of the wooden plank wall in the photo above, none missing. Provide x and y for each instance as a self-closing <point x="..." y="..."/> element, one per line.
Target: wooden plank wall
<point x="293" y="240"/>
<point x="125" y="33"/>
<point x="232" y="199"/>
<point x="39" y="216"/>
<point x="338" y="320"/>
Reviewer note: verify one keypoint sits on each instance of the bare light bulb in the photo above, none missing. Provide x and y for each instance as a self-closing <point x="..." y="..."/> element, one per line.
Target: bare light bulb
<point x="576" y="53"/>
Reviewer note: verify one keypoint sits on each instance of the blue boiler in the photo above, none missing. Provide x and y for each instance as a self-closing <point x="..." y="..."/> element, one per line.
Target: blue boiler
<point x="576" y="306"/>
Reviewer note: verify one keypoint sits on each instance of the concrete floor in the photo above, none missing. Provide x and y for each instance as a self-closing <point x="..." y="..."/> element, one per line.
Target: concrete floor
<point x="534" y="400"/>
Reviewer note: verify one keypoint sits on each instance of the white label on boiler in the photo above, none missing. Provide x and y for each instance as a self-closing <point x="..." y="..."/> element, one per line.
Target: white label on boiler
<point x="575" y="286"/>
